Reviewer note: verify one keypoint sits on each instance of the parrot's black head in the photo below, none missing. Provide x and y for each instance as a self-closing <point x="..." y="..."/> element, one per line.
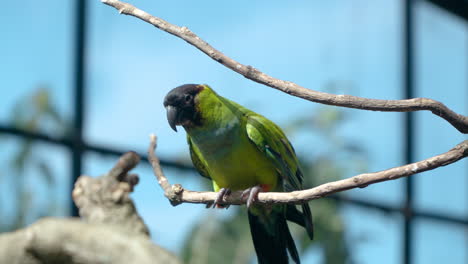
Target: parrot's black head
<point x="180" y="105"/>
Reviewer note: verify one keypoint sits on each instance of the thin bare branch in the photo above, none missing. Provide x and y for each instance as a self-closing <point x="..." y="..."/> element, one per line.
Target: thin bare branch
<point x="176" y="194"/>
<point x="459" y="121"/>
<point x="172" y="192"/>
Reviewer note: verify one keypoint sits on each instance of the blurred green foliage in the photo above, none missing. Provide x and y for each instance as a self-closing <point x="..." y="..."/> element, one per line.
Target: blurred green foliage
<point x="33" y="112"/>
<point x="225" y="238"/>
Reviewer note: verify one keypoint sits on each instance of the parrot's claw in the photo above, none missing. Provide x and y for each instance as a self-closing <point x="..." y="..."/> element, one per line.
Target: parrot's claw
<point x="223" y="192"/>
<point x="252" y="193"/>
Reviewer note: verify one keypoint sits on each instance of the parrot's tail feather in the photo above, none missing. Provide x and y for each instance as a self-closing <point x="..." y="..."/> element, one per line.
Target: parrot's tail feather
<point x="291" y="246"/>
<point x="309" y="226"/>
<point x="272" y="239"/>
<point x="303" y="218"/>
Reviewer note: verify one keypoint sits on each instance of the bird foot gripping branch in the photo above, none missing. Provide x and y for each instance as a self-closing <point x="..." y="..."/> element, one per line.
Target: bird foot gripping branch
<point x="222" y="194"/>
<point x="250" y="195"/>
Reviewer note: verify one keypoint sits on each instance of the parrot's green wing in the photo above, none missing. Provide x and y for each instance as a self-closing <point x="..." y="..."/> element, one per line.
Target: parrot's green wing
<point x="197" y="161"/>
<point x="270" y="140"/>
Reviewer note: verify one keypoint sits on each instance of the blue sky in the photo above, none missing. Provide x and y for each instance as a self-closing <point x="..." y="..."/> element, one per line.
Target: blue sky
<point x="355" y="44"/>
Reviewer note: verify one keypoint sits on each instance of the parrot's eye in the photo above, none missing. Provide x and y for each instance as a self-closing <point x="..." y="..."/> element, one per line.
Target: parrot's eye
<point x="188" y="97"/>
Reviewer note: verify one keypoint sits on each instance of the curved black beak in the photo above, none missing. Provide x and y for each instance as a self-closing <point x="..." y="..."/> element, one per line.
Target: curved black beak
<point x="172" y="116"/>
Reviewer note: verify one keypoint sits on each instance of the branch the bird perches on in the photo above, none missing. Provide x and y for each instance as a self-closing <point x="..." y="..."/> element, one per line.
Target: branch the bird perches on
<point x="177" y="195"/>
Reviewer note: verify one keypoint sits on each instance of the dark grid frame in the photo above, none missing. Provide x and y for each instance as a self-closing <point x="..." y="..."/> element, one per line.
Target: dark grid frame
<point x="77" y="146"/>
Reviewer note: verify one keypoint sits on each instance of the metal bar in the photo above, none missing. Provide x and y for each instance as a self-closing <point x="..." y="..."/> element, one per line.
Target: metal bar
<point x="67" y="142"/>
<point x="119" y="152"/>
<point x="408" y="130"/>
<point x="440" y="217"/>
<point x="389" y="209"/>
<point x="23" y="133"/>
<point x="79" y="94"/>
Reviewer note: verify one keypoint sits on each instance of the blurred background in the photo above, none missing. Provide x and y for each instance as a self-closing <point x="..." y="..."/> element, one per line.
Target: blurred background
<point x="82" y="84"/>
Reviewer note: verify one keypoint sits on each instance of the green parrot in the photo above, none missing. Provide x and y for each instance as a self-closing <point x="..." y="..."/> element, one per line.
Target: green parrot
<point x="239" y="149"/>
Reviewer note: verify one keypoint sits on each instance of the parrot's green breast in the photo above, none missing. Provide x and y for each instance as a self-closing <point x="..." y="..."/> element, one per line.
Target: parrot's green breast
<point x="234" y="161"/>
